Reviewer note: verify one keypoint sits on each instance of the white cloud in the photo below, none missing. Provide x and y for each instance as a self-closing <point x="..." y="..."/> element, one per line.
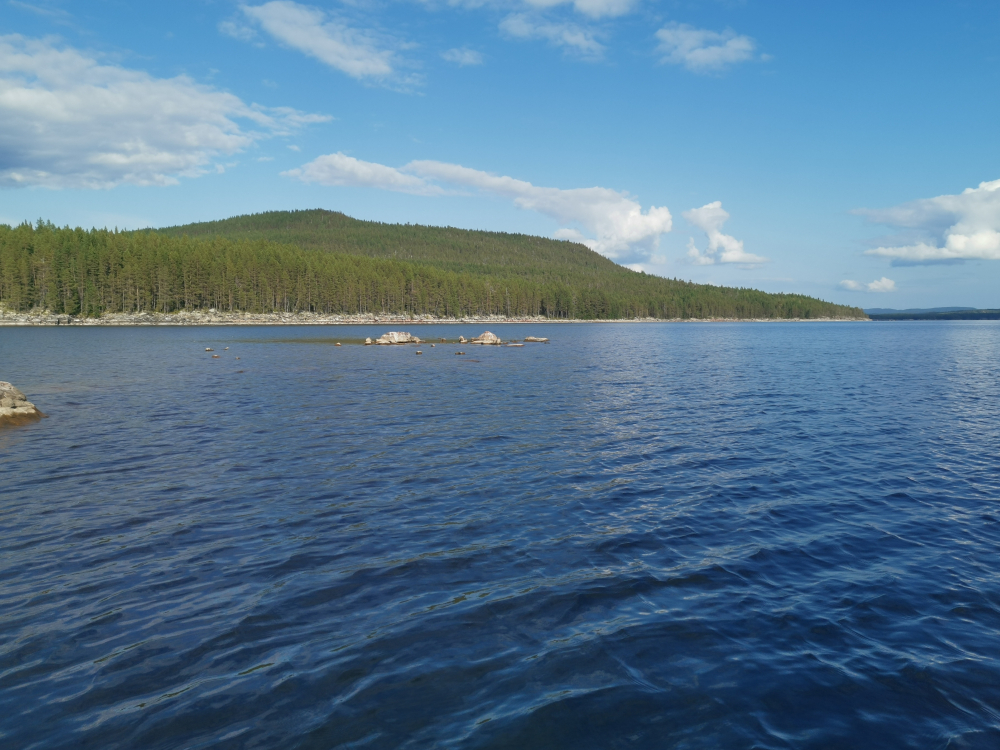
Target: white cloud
<point x="567" y="35"/>
<point x="722" y="248"/>
<point x="882" y="285"/>
<point x="591" y="8"/>
<point x="879" y="285"/>
<point x="312" y="32"/>
<point x="463" y="56"/>
<point x="617" y="226"/>
<point x="71" y="122"/>
<point x="701" y="50"/>
<point x="953" y="227"/>
<point x="340" y="169"/>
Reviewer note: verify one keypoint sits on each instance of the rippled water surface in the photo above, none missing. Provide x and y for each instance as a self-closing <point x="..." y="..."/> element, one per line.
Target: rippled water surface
<point x="649" y="536"/>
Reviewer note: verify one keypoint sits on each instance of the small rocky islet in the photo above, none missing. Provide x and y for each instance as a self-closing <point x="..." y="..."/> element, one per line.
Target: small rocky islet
<point x="486" y="338"/>
<point x="14" y="406"/>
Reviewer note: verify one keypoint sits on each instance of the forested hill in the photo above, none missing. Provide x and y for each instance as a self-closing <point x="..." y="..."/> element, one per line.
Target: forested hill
<point x="325" y="262"/>
<point x="444" y="247"/>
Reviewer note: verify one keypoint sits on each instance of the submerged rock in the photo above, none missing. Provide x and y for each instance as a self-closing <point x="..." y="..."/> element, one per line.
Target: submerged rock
<point x="486" y="338"/>
<point x="397" y="337"/>
<point x="15" y="407"/>
<point x="538" y="340"/>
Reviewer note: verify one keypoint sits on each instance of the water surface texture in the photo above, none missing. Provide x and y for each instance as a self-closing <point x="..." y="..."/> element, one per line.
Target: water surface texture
<point x="637" y="536"/>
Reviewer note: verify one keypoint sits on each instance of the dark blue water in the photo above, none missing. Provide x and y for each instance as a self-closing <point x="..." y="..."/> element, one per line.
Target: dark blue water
<point x="638" y="536"/>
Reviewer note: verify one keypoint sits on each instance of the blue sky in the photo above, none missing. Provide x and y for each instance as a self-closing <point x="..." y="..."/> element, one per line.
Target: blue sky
<point x="847" y="150"/>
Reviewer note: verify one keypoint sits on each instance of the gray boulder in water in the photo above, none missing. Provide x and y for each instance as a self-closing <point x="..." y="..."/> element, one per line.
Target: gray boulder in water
<point x="15" y="407"/>
<point x="535" y="339"/>
<point x="486" y="338"/>
<point x="397" y="337"/>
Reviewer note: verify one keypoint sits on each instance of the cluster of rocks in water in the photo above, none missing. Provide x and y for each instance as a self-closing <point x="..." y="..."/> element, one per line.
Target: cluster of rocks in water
<point x="486" y="338"/>
<point x="394" y="337"/>
<point x="15" y="407"/>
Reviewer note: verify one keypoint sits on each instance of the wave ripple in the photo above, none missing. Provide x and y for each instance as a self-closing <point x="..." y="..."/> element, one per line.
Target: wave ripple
<point x="686" y="536"/>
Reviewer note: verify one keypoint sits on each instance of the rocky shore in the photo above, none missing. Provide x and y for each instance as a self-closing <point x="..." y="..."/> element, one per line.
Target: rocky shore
<point x="15" y="407"/>
<point x="219" y="318"/>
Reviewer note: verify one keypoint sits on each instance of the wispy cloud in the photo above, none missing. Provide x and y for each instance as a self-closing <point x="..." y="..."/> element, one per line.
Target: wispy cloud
<point x="463" y="56"/>
<point x="594" y="9"/>
<point x="55" y="14"/>
<point x="313" y="32"/>
<point x="569" y="36"/>
<point x="340" y="169"/>
<point x="879" y="285"/>
<point x="703" y="50"/>
<point x="722" y="248"/>
<point x="591" y="8"/>
<point x="70" y="121"/>
<point x="951" y="228"/>
<point x="615" y="222"/>
<point x="237" y="30"/>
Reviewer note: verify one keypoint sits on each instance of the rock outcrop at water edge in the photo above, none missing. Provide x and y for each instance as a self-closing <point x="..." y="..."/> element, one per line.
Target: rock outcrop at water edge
<point x="487" y="338"/>
<point x="397" y="337"/>
<point x="15" y="407"/>
<point x="536" y="339"/>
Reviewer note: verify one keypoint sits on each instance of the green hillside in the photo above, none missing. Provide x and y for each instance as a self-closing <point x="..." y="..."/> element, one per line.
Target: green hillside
<point x="459" y="250"/>
<point x="325" y="262"/>
<point x="500" y="257"/>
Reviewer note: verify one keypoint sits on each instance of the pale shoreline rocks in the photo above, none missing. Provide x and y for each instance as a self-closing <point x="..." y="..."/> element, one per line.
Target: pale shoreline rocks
<point x="15" y="407"/>
<point x="536" y="339"/>
<point x="220" y="318"/>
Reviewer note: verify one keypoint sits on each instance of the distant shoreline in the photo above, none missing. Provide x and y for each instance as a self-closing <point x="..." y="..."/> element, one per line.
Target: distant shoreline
<point x="215" y="318"/>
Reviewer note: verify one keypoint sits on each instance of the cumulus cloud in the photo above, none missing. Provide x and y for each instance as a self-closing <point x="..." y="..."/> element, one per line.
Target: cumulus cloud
<point x="463" y="57"/>
<point x="71" y="122"/>
<point x="722" y="248"/>
<point x="879" y="285"/>
<point x="950" y="227"/>
<point x="615" y="221"/>
<point x="569" y="36"/>
<point x="312" y="32"/>
<point x="702" y="50"/>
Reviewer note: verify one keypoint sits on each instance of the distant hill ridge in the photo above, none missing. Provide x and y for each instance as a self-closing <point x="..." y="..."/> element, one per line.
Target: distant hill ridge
<point x="569" y="279"/>
<point x="325" y="262"/>
<point x="960" y="313"/>
<point x="915" y="310"/>
<point x="444" y="247"/>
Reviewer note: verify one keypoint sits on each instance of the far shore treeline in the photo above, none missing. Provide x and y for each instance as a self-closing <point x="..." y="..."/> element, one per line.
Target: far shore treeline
<point x="324" y="262"/>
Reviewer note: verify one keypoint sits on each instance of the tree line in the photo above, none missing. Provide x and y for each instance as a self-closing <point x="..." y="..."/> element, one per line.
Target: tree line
<point x="91" y="272"/>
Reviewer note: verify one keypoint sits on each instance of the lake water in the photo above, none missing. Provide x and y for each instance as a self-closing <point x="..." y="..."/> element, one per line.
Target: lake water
<point x="637" y="536"/>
